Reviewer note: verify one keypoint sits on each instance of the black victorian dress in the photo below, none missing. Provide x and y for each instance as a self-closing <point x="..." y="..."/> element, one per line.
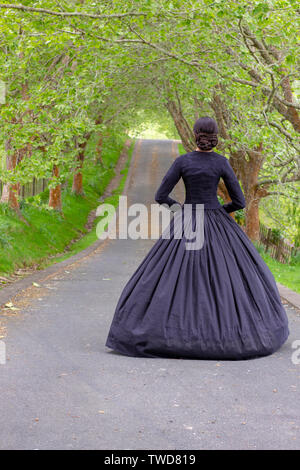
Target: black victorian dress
<point x="217" y="302"/>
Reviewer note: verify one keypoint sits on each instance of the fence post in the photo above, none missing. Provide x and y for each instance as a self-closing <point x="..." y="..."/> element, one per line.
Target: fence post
<point x="269" y="234"/>
<point x="278" y="250"/>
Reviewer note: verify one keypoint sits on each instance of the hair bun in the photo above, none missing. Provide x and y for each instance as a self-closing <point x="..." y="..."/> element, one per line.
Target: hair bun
<point x="206" y="141"/>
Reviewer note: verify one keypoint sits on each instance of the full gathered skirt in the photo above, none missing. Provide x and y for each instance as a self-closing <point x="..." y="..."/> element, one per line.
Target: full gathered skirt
<point x="217" y="302"/>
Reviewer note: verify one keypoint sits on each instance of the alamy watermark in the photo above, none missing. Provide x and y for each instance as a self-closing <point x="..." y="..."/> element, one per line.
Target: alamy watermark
<point x="145" y="225"/>
<point x="2" y="353"/>
<point x="296" y="353"/>
<point x="2" y="92"/>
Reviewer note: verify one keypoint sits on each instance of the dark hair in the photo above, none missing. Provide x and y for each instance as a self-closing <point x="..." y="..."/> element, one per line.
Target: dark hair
<point x="206" y="130"/>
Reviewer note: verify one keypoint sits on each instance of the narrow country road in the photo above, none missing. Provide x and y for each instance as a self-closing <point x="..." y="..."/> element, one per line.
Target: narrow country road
<point x="61" y="388"/>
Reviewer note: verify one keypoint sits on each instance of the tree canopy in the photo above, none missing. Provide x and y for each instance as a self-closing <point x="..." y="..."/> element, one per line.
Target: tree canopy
<point x="78" y="67"/>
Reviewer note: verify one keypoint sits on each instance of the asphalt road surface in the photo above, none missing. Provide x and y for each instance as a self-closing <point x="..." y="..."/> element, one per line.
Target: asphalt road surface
<point x="61" y="388"/>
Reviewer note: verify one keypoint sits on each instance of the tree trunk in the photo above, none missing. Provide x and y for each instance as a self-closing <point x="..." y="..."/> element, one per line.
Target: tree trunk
<point x="77" y="187"/>
<point x="10" y="191"/>
<point x="10" y="195"/>
<point x="252" y="218"/>
<point x="99" y="149"/>
<point x="184" y="130"/>
<point x="249" y="172"/>
<point x="55" y="193"/>
<point x="293" y="114"/>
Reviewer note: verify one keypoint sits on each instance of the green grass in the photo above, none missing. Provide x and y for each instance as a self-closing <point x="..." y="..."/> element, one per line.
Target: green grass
<point x="181" y="149"/>
<point x="287" y="274"/>
<point x="49" y="232"/>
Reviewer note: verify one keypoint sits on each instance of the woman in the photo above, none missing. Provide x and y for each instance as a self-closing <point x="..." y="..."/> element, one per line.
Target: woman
<point x="217" y="302"/>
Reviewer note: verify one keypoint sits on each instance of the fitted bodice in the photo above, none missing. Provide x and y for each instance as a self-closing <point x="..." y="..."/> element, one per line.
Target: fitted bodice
<point x="201" y="173"/>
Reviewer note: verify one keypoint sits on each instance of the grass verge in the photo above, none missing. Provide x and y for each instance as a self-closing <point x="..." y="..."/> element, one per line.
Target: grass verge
<point x="287" y="274"/>
<point x="49" y="232"/>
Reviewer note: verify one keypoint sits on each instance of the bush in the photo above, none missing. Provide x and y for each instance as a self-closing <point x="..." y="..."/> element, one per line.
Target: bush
<point x="295" y="259"/>
<point x="276" y="235"/>
<point x="240" y="217"/>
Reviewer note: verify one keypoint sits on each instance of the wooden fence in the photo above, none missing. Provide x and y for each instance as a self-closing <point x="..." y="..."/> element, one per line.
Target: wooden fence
<point x="277" y="247"/>
<point x="32" y="188"/>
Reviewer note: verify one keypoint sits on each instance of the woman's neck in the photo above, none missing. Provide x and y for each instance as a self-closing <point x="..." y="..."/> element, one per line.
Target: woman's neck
<point x="206" y="151"/>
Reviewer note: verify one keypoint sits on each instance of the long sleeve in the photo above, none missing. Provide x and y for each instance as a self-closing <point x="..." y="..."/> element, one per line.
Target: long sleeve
<point x="170" y="179"/>
<point x="233" y="188"/>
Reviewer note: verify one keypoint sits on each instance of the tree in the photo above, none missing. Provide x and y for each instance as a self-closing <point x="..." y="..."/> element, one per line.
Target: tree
<point x="89" y="64"/>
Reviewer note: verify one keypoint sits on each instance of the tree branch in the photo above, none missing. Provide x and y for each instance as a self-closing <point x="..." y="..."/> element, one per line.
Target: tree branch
<point x="164" y="51"/>
<point x="67" y="13"/>
<point x="293" y="179"/>
<point x="282" y="131"/>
